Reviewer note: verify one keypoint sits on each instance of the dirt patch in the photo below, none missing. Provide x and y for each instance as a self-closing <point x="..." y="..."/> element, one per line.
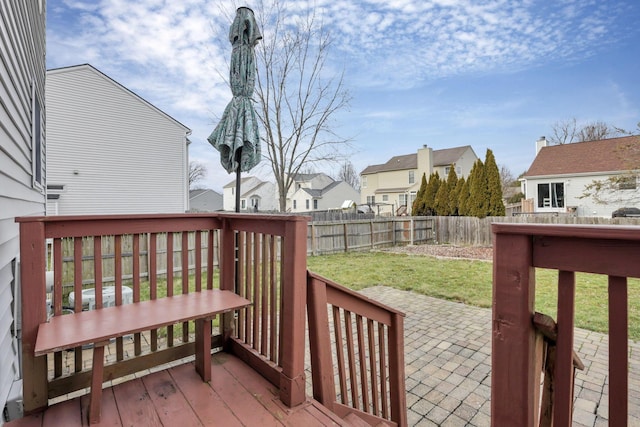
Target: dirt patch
<point x="447" y="251"/>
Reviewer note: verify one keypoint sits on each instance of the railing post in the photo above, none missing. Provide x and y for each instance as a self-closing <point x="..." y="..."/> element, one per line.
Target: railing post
<point x="320" y="343"/>
<point x="397" y="386"/>
<point x="33" y="304"/>
<point x="227" y="272"/>
<point x="294" y="298"/>
<point x="513" y="334"/>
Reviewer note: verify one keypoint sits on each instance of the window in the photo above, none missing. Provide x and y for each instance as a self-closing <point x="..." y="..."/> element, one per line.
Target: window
<point x="306" y="204"/>
<point x="447" y="169"/>
<point x="295" y="205"/>
<point x="255" y="202"/>
<point x="36" y="139"/>
<point x="412" y="177"/>
<point x="243" y="204"/>
<point x="364" y="182"/>
<point x="551" y="195"/>
<point x="402" y="200"/>
<point x="315" y="204"/>
<point x="371" y="200"/>
<point x="385" y="197"/>
<point x="627" y="183"/>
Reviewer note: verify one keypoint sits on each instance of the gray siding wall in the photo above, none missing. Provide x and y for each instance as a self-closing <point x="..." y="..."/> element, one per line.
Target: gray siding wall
<point x="22" y="76"/>
<point x="112" y="151"/>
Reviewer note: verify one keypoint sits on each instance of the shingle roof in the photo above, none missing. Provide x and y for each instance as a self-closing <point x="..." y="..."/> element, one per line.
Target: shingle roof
<point x="442" y="157"/>
<point x="607" y="155"/>
<point x="321" y="191"/>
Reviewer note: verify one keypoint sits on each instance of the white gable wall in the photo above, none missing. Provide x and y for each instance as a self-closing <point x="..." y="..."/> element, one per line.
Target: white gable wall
<point x="112" y="151"/>
<point x="22" y="76"/>
<point x="335" y="197"/>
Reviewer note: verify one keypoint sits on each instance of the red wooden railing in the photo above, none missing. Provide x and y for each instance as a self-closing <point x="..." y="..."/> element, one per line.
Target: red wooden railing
<point x="518" y="250"/>
<point x="360" y="369"/>
<point x="281" y="309"/>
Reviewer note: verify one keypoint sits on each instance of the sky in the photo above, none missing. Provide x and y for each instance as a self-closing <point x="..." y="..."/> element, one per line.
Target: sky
<point x="493" y="74"/>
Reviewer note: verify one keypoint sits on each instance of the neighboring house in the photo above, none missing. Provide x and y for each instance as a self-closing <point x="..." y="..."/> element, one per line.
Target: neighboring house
<point x="308" y="197"/>
<point x="22" y="171"/>
<point x="392" y="187"/>
<point x="110" y="151"/>
<point x="205" y="200"/>
<point x="255" y="195"/>
<point x="558" y="177"/>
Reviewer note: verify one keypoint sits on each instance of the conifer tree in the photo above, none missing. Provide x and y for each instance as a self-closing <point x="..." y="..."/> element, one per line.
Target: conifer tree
<point x="462" y="194"/>
<point x="418" y="204"/>
<point x="478" y="200"/>
<point x="452" y="197"/>
<point x="495" y="206"/>
<point x="441" y="206"/>
<point x="430" y="194"/>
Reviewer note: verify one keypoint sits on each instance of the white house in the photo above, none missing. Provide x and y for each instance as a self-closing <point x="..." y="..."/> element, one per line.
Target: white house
<point x="557" y="181"/>
<point x="109" y="151"/>
<point x="391" y="187"/>
<point x="255" y="195"/>
<point x="23" y="162"/>
<point x="318" y="192"/>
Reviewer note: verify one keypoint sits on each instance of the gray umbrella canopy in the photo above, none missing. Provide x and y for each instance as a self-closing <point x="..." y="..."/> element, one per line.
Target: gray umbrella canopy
<point x="236" y="136"/>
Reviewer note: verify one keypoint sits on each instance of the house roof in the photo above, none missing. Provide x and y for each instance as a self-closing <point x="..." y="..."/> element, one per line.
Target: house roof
<point x="607" y="155"/>
<point x="321" y="191"/>
<point x="442" y="157"/>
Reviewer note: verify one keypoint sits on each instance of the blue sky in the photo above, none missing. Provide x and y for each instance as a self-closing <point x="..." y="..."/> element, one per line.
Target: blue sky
<point x="492" y="74"/>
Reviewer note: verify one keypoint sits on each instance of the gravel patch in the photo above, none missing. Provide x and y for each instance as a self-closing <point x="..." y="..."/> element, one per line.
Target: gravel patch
<point x="446" y="251"/>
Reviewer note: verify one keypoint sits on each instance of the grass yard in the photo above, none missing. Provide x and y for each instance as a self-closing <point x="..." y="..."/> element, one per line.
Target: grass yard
<point x="470" y="282"/>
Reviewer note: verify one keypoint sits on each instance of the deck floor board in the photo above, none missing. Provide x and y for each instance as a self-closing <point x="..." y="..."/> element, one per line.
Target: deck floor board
<point x="236" y="396"/>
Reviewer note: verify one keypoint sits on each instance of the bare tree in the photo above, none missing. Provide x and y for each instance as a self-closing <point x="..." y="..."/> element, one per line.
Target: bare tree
<point x="197" y="171"/>
<point x="596" y="131"/>
<point x="507" y="179"/>
<point x="349" y="175"/>
<point x="623" y="188"/>
<point x="563" y="132"/>
<point x="567" y="132"/>
<point x="297" y="95"/>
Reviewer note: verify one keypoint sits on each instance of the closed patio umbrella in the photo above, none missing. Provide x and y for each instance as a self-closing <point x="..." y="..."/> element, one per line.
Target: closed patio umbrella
<point x="236" y="136"/>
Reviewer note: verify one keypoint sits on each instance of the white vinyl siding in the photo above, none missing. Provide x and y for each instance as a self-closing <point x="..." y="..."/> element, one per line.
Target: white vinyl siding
<point x="112" y="151"/>
<point x="22" y="74"/>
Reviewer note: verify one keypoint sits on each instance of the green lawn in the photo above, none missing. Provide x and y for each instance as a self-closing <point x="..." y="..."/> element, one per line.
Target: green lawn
<point x="470" y="282"/>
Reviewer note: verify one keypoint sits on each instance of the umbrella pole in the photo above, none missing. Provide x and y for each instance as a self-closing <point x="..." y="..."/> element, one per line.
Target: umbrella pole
<point x="238" y="157"/>
<point x="237" y="249"/>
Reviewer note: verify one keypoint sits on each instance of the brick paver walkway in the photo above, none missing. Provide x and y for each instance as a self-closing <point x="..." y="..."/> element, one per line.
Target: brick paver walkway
<point x="448" y="364"/>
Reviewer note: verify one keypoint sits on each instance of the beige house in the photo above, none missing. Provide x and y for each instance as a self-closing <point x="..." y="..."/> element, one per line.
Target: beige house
<point x="391" y="188"/>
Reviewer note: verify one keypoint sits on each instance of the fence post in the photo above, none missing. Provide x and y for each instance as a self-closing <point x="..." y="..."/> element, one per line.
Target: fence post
<point x="346" y="241"/>
<point x="411" y="225"/>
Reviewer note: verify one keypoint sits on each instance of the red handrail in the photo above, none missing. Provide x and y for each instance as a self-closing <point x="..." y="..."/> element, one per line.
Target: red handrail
<point x="518" y="250"/>
<point x="368" y="341"/>
<point x="287" y="322"/>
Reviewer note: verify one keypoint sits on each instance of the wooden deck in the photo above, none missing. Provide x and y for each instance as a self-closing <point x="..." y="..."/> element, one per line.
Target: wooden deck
<point x="236" y="396"/>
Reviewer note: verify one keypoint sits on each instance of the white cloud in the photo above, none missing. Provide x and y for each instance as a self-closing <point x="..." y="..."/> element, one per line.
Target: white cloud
<point x="175" y="53"/>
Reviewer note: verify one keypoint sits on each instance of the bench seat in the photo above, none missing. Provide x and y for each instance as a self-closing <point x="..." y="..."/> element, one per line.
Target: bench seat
<point x="99" y="326"/>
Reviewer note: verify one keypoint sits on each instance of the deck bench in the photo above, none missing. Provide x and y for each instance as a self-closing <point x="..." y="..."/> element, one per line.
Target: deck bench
<point x="99" y="326"/>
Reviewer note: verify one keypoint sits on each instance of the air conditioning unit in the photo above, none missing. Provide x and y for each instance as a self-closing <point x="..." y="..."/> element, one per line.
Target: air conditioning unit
<point x="14" y="409"/>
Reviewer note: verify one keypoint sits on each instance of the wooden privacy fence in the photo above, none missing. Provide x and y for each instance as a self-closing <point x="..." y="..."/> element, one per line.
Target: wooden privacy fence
<point x="472" y="231"/>
<point x="331" y="237"/>
<point x="163" y="263"/>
